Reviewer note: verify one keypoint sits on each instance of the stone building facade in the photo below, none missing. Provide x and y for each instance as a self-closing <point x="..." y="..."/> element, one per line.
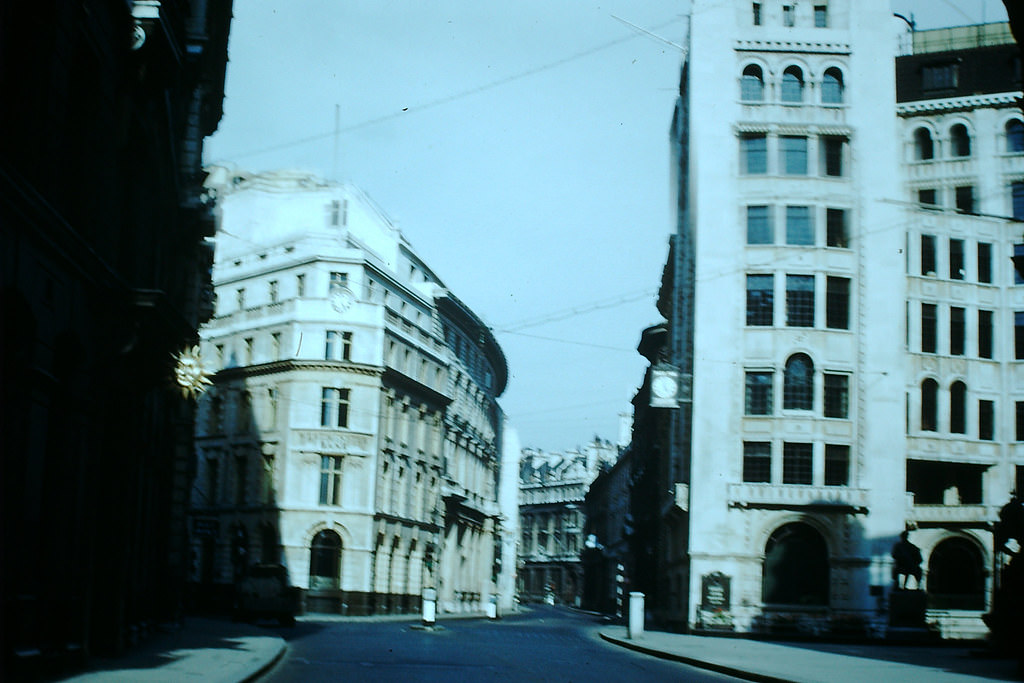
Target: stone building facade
<point x="353" y="431"/>
<point x="552" y="489"/>
<point x="842" y="325"/>
<point x="104" y="276"/>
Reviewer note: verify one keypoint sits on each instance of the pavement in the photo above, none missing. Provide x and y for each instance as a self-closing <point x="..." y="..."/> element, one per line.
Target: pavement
<point x="817" y="662"/>
<point x="221" y="651"/>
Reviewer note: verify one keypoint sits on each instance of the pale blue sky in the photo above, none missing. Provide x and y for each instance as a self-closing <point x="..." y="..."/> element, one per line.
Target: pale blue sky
<point x="521" y="147"/>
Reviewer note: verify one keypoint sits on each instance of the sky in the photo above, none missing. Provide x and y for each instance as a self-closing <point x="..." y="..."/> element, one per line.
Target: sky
<point x="521" y="147"/>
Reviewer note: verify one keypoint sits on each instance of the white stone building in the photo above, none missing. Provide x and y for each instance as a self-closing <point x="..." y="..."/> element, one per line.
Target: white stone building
<point x="352" y="432"/>
<point x="796" y="325"/>
<point x="552" y="489"/>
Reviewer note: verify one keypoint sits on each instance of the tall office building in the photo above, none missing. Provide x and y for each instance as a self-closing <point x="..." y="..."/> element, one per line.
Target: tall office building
<point x="842" y="317"/>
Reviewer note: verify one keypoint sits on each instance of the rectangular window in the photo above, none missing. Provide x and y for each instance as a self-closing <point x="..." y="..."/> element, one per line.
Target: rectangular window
<point x="330" y="480"/>
<point x="836" y="231"/>
<point x="956" y="259"/>
<point x="799" y="226"/>
<point x="986" y="420"/>
<point x="837" y="465"/>
<point x="754" y="153"/>
<point x="757" y="13"/>
<point x="939" y="76"/>
<point x="833" y="148"/>
<point x="241" y="467"/>
<point x="965" y="199"/>
<point x="275" y="345"/>
<point x="793" y="154"/>
<point x="821" y="16"/>
<point x="1019" y="421"/>
<point x="927" y="198"/>
<point x="760" y="299"/>
<point x="757" y="461"/>
<point x="837" y="395"/>
<point x="984" y="262"/>
<point x="984" y="334"/>
<point x="796" y="463"/>
<point x="339" y="345"/>
<point x="800" y="300"/>
<point x="247" y="350"/>
<point x="1018" y="257"/>
<point x="929" y="328"/>
<point x="240" y="299"/>
<point x="759" y="225"/>
<point x="788" y="16"/>
<point x="1018" y="335"/>
<point x="927" y="255"/>
<point x="1017" y="200"/>
<point x="837" y="303"/>
<point x="334" y="407"/>
<point x="272" y="291"/>
<point x="338" y="280"/>
<point x="212" y="479"/>
<point x="957" y="330"/>
<point x="758" y="399"/>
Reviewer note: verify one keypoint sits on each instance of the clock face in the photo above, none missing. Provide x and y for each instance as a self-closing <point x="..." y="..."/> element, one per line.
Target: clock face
<point x="664" y="387"/>
<point x="342" y="299"/>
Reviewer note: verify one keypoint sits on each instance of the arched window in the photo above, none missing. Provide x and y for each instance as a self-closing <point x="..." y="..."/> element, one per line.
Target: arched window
<point x="793" y="85"/>
<point x="1014" y="135"/>
<point x="956" y="576"/>
<point x="929" y="405"/>
<point x="325" y="561"/>
<point x="959" y="141"/>
<point x="958" y="408"/>
<point x="796" y="570"/>
<point x="832" y="86"/>
<point x="798" y="387"/>
<point x="752" y="84"/>
<point x="923" y="146"/>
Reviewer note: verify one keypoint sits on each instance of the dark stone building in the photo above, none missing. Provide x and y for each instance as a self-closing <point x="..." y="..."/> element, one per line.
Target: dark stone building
<point x="105" y="276"/>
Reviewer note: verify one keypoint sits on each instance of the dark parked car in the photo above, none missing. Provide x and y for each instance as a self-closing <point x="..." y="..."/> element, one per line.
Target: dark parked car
<point x="263" y="592"/>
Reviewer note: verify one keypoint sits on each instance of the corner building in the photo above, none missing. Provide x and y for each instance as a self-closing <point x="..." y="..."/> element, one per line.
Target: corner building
<point x="352" y="432"/>
<point x="796" y="452"/>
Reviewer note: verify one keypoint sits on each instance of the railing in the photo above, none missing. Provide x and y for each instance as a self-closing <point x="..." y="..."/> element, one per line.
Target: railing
<point x="794" y="495"/>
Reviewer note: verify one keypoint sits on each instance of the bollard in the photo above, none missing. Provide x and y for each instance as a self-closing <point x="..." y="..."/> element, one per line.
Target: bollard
<point x="636" y="616"/>
<point x="429" y="606"/>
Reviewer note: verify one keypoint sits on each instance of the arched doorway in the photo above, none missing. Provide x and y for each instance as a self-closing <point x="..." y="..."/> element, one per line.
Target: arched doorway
<point x="325" y="561"/>
<point x="796" y="571"/>
<point x="956" y="576"/>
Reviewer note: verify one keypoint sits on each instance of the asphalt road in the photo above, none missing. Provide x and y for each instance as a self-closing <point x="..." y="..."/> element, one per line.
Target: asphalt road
<point x="545" y="644"/>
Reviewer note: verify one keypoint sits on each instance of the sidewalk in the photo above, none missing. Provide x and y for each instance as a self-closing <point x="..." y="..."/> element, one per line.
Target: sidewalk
<point x="211" y="650"/>
<point x="758" y="660"/>
<point x="207" y="650"/>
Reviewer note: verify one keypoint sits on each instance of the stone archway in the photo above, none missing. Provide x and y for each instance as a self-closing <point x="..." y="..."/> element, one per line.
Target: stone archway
<point x="956" y="575"/>
<point x="796" y="568"/>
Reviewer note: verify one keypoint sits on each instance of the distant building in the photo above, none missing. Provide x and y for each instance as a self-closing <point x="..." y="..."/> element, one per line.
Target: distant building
<point x="552" y="488"/>
<point x="104" y="277"/>
<point x="844" y="325"/>
<point x="353" y="431"/>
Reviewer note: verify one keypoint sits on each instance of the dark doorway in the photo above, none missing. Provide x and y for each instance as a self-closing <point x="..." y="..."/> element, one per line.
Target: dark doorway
<point x="796" y="571"/>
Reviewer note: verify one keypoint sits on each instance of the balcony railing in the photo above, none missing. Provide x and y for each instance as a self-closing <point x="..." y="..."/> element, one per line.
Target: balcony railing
<point x="951" y="514"/>
<point x="794" y="495"/>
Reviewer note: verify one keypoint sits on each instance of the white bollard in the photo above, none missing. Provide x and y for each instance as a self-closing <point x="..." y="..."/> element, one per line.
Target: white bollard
<point x="492" y="606"/>
<point x="636" y="615"/>
<point x="429" y="606"/>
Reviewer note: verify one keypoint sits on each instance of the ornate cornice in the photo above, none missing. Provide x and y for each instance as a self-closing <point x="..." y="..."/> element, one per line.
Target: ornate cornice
<point x="818" y="47"/>
<point x="1001" y="100"/>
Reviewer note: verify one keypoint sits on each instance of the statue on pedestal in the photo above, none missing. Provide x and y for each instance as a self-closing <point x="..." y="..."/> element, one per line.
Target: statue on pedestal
<point x="906" y="563"/>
